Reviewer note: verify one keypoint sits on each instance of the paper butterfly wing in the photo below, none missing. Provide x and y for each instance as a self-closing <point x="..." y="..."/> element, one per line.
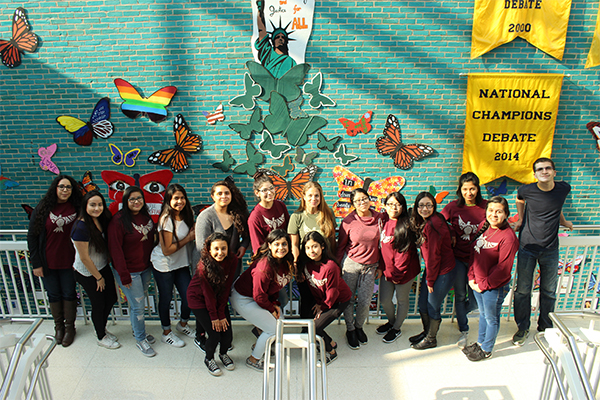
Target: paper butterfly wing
<point x="594" y="128"/>
<point x="22" y="40"/>
<point x="251" y="91"/>
<point x="287" y="85"/>
<point x="101" y="125"/>
<point x="347" y="182"/>
<point x="46" y="163"/>
<point x="281" y="186"/>
<point x="254" y="158"/>
<point x="117" y="154"/>
<point x="87" y="184"/>
<point x="382" y="188"/>
<point x="275" y="150"/>
<point x="279" y="115"/>
<point x="313" y="88"/>
<point x="284" y="169"/>
<point x="343" y="157"/>
<point x="254" y="125"/>
<point x="391" y="144"/>
<point x="130" y="157"/>
<point x="82" y="132"/>
<point x="327" y="144"/>
<point x="186" y="142"/>
<point x="227" y="162"/>
<point x="300" y="129"/>
<point x="304" y="176"/>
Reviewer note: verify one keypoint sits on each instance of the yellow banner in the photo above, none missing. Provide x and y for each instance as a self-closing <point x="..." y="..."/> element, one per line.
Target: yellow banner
<point x="593" y="58"/>
<point x="543" y="23"/>
<point x="510" y="123"/>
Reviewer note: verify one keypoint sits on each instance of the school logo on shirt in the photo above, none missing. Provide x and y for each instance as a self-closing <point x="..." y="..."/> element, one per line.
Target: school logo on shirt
<point x="467" y="228"/>
<point x="386" y="239"/>
<point x="482" y="243"/>
<point x="314" y="282"/>
<point x="143" y="229"/>
<point x="61" y="221"/>
<point x="274" y="223"/>
<point x="283" y="280"/>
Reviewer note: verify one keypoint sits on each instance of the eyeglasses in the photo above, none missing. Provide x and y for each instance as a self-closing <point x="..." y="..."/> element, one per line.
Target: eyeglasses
<point x="428" y="206"/>
<point x="267" y="190"/>
<point x="544" y="169"/>
<point x="65" y="187"/>
<point x="136" y="200"/>
<point x="362" y="200"/>
<point x="394" y="205"/>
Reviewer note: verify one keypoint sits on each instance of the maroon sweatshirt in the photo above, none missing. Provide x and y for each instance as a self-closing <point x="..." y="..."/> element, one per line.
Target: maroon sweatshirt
<point x="262" y="284"/>
<point x="264" y="220"/>
<point x="465" y="221"/>
<point x="398" y="267"/>
<point x="437" y="249"/>
<point x="359" y="237"/>
<point x="200" y="294"/>
<point x="326" y="283"/>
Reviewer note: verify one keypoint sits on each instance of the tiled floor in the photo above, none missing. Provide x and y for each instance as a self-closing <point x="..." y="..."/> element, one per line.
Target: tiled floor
<point x="376" y="371"/>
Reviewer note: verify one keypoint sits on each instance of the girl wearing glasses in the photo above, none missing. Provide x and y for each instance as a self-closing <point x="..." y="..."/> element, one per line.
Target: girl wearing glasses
<point x="52" y="252"/>
<point x="464" y="214"/>
<point x="171" y="261"/>
<point x="358" y="248"/>
<point x="131" y="238"/>
<point x="438" y="277"/>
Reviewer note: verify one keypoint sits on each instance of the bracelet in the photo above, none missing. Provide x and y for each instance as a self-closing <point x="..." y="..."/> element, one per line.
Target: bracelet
<point x="98" y="280"/>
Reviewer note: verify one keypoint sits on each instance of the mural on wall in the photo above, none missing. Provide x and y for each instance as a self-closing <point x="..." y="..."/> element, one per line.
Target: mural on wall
<point x="22" y="40"/>
<point x="46" y="154"/>
<point x="227" y="162"/>
<point x="6" y="183"/>
<point x="98" y="125"/>
<point x="251" y="92"/>
<point x="185" y="143"/>
<point x="268" y="145"/>
<point x="327" y="144"/>
<point x="313" y="89"/>
<point x="118" y="157"/>
<point x="439" y="197"/>
<point x="354" y="128"/>
<point x="217" y="115"/>
<point x="254" y="125"/>
<point x="342" y="155"/>
<point x="87" y="183"/>
<point x="285" y="168"/>
<point x="288" y="85"/>
<point x="283" y="188"/>
<point x="594" y="128"/>
<point x="500" y="190"/>
<point x="390" y="144"/>
<point x="255" y="158"/>
<point x="154" y="107"/>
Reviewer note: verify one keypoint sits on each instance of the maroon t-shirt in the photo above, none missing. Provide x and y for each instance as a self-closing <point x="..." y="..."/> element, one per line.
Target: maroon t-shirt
<point x="200" y="294"/>
<point x="264" y="220"/>
<point x="262" y="284"/>
<point x="465" y="221"/>
<point x="326" y="283"/>
<point x="398" y="267"/>
<point x="60" y="253"/>
<point x="437" y="249"/>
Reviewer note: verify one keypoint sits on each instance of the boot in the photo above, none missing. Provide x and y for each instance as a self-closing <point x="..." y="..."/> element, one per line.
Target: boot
<point x="430" y="340"/>
<point x="421" y="336"/>
<point x="70" y="308"/>
<point x="58" y="315"/>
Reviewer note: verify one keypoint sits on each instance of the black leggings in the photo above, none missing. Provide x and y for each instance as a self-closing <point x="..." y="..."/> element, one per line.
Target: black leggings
<point x="214" y="337"/>
<point x="326" y="317"/>
<point x="102" y="302"/>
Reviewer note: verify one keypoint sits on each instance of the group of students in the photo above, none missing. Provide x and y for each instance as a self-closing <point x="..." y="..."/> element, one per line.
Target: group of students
<point x="74" y="239"/>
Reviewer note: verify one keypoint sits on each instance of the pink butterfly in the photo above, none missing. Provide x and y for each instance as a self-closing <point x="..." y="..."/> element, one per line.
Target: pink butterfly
<point x="218" y="115"/>
<point x="47" y="164"/>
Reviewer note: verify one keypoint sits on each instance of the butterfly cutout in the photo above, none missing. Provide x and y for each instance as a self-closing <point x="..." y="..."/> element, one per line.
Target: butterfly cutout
<point x="502" y="189"/>
<point x="254" y="125"/>
<point x="254" y="158"/>
<point x="296" y="131"/>
<point x="327" y="144"/>
<point x="288" y="86"/>
<point x="391" y="144"/>
<point x="594" y="128"/>
<point x="6" y="183"/>
<point x="283" y="188"/>
<point x="275" y="150"/>
<point x="251" y="91"/>
<point x="135" y="105"/>
<point x="87" y="184"/>
<point x="47" y="164"/>
<point x="212" y="118"/>
<point x="313" y="88"/>
<point x="305" y="158"/>
<point x="118" y="157"/>
<point x="378" y="190"/>
<point x="227" y="162"/>
<point x="439" y="197"/>
<point x="23" y="40"/>
<point x="363" y="125"/>
<point x="185" y="143"/>
<point x="295" y="107"/>
<point x="28" y="209"/>
<point x="343" y="157"/>
<point x="286" y="168"/>
<point x="98" y="125"/>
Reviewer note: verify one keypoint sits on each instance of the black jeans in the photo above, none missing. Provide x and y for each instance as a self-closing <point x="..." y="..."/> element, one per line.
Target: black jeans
<point x="165" y="281"/>
<point x="102" y="302"/>
<point x="60" y="285"/>
<point x="326" y="318"/>
<point x="214" y="337"/>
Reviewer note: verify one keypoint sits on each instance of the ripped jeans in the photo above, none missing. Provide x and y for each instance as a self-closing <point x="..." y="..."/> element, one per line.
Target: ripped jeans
<point x="136" y="296"/>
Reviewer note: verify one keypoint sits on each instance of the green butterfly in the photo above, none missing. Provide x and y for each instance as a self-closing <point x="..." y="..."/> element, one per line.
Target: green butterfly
<point x="227" y="162"/>
<point x="343" y="157"/>
<point x="254" y="158"/>
<point x="325" y="143"/>
<point x="254" y="125"/>
<point x="286" y="168"/>
<point x="313" y="88"/>
<point x="251" y="91"/>
<point x="275" y="150"/>
<point x="296" y="131"/>
<point x="295" y="107"/>
<point x="302" y="157"/>
<point x="288" y="85"/>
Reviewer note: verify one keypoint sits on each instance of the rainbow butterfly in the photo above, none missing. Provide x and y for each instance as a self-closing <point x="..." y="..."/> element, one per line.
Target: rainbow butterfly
<point x="98" y="125"/>
<point x="118" y="157"/>
<point x="186" y="143"/>
<point x="47" y="164"/>
<point x="363" y="125"/>
<point x="22" y="40"/>
<point x="135" y="105"/>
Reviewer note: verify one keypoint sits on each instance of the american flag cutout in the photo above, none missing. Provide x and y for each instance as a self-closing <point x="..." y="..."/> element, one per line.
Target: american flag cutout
<point x="216" y="116"/>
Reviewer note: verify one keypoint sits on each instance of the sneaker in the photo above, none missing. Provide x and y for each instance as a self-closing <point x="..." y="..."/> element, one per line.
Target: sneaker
<point x="519" y="337"/>
<point x="201" y="344"/>
<point x="352" y="340"/>
<point x="469" y="349"/>
<point x="145" y="348"/>
<point x="479" y="354"/>
<point x="383" y="329"/>
<point x="172" y="339"/>
<point x="392" y="335"/>
<point x="331" y="357"/>
<point x="361" y="336"/>
<point x="149" y="337"/>
<point x="110" y="335"/>
<point x="108" y="343"/>
<point x="462" y="340"/>
<point x="212" y="366"/>
<point x="257" y="365"/>
<point x="227" y="362"/>
<point x="186" y="330"/>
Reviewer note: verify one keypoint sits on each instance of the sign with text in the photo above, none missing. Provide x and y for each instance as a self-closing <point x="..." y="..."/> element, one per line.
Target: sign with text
<point x="593" y="57"/>
<point x="510" y="123"/>
<point x="543" y="23"/>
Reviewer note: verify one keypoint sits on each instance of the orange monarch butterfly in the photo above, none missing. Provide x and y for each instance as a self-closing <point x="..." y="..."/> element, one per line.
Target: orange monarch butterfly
<point x="391" y="144"/>
<point x="87" y="184"/>
<point x="284" y="188"/>
<point x="186" y="143"/>
<point x="22" y="40"/>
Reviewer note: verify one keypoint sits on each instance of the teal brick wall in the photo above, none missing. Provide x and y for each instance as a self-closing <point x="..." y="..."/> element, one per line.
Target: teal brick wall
<point x="399" y="57"/>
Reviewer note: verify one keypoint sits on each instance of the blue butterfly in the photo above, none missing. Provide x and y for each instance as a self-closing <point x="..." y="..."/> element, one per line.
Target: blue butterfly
<point x="499" y="190"/>
<point x="119" y="157"/>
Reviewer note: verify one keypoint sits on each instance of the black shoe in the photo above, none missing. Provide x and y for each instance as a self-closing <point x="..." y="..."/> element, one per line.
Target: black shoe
<point x="331" y="357"/>
<point x="392" y="335"/>
<point x="201" y="344"/>
<point x="352" y="340"/>
<point x="361" y="336"/>
<point x="478" y="354"/>
<point x="427" y="343"/>
<point x="469" y="349"/>
<point x="417" y="338"/>
<point x="383" y="329"/>
<point x="213" y="369"/>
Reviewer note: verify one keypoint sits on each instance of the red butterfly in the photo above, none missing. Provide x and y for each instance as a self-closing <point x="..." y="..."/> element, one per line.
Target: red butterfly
<point x="352" y="128"/>
<point x="391" y="144"/>
<point x="22" y="40"/>
<point x="186" y="143"/>
<point x="283" y="188"/>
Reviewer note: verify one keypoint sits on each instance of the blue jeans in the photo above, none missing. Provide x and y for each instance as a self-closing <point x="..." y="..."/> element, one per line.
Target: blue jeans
<point x="135" y="298"/>
<point x="526" y="261"/>
<point x="60" y="285"/>
<point x="165" y="281"/>
<point x="432" y="302"/>
<point x="490" y="307"/>
<point x="463" y="304"/>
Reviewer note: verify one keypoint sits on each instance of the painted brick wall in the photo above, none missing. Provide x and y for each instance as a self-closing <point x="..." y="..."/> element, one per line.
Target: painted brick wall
<point x="400" y="57"/>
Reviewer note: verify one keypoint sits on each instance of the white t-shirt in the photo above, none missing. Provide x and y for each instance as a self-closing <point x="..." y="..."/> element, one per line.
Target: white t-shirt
<point x="177" y="260"/>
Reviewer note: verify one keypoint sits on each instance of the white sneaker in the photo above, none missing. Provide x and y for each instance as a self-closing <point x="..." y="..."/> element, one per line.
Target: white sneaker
<point x="172" y="339"/>
<point x="186" y="330"/>
<point x="108" y="343"/>
<point x="110" y="335"/>
<point x="462" y="340"/>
